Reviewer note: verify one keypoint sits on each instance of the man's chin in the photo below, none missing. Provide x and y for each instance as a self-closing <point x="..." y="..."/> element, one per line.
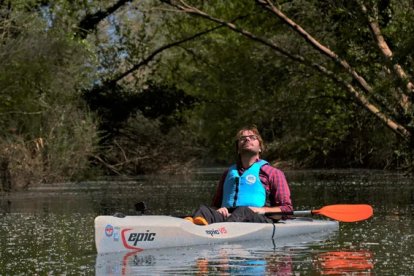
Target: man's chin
<point x="249" y="151"/>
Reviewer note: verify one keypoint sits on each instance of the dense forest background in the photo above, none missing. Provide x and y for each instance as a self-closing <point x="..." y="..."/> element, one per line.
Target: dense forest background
<point x="124" y="87"/>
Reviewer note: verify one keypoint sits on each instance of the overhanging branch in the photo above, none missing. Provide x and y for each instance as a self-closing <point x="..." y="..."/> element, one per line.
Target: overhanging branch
<point x="152" y="55"/>
<point x="90" y="21"/>
<point x="388" y="55"/>
<point x="324" y="50"/>
<point x="359" y="96"/>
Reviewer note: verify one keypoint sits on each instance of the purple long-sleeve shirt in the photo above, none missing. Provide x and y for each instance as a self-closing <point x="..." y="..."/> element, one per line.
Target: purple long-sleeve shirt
<point x="274" y="181"/>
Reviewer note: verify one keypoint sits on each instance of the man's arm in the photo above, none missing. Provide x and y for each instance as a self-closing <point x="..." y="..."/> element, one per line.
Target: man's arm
<point x="279" y="192"/>
<point x="218" y="197"/>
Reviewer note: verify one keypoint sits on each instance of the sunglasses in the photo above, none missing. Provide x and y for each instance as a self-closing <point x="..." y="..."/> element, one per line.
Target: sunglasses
<point x="250" y="137"/>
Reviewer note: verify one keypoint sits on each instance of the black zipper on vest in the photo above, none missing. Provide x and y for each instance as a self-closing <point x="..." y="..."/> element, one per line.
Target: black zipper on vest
<point x="236" y="192"/>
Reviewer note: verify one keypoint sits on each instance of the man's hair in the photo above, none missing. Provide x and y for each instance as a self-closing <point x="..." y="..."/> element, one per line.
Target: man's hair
<point x="252" y="128"/>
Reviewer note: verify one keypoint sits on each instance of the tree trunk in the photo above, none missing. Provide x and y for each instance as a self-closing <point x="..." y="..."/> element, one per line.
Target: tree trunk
<point x="5" y="177"/>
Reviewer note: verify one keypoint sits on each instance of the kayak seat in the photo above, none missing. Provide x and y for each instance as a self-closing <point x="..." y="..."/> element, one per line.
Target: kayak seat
<point x="119" y="215"/>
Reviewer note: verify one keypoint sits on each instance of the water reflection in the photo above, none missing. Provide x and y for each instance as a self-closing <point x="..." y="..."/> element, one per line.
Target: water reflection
<point x="219" y="261"/>
<point x="345" y="262"/>
<point x="245" y="258"/>
<point x="235" y="260"/>
<point x="228" y="266"/>
<point x="276" y="264"/>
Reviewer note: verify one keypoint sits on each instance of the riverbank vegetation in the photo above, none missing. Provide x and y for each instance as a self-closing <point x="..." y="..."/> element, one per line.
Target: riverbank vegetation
<point x="124" y="87"/>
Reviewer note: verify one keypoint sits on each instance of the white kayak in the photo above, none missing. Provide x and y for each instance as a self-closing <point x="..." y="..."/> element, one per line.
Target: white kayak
<point x="137" y="233"/>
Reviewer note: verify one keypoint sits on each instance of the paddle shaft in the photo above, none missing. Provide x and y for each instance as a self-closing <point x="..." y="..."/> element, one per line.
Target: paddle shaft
<point x="294" y="213"/>
<point x="340" y="212"/>
<point x="301" y="213"/>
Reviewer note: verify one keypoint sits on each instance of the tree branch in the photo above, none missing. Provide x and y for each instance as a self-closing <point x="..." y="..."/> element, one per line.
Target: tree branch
<point x="196" y="12"/>
<point x="361" y="98"/>
<point x="388" y="55"/>
<point x="396" y="127"/>
<point x="326" y="51"/>
<point x="151" y="56"/>
<point x="90" y="21"/>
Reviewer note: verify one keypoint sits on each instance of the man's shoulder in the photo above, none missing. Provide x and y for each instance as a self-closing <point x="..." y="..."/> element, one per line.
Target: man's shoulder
<point x="269" y="169"/>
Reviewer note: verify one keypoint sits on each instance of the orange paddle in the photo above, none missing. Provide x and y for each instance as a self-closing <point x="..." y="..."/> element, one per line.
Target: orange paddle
<point x="339" y="212"/>
<point x="346" y="212"/>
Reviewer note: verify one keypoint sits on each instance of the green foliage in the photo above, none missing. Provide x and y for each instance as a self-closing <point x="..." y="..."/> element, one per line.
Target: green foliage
<point x="115" y="104"/>
<point x="142" y="147"/>
<point x="197" y="94"/>
<point x="304" y="115"/>
<point x="48" y="135"/>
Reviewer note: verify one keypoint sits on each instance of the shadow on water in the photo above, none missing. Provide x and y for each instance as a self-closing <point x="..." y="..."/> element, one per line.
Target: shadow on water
<point x="49" y="229"/>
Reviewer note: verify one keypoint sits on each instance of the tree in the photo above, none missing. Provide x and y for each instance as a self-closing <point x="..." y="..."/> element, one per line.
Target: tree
<point x="47" y="134"/>
<point x="349" y="46"/>
<point x="115" y="58"/>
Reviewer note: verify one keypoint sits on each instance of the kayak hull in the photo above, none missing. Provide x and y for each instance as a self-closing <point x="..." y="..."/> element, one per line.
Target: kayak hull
<point x="138" y="233"/>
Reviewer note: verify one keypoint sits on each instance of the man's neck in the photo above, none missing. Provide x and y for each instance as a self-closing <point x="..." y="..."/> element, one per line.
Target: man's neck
<point x="247" y="160"/>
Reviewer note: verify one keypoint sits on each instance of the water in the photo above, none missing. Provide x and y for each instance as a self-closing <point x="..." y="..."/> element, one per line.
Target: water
<point x="49" y="230"/>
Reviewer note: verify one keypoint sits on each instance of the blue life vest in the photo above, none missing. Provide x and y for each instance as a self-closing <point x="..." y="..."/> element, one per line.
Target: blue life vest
<point x="244" y="190"/>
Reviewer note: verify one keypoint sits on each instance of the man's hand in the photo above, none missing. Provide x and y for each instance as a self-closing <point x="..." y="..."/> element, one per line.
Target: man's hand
<point x="264" y="210"/>
<point x="224" y="211"/>
<point x="258" y="210"/>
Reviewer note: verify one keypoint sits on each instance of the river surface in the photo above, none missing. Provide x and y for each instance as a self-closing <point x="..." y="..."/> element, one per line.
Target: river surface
<point x="49" y="230"/>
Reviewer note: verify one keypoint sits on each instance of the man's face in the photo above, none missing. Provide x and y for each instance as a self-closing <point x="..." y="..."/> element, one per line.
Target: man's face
<point x="248" y="142"/>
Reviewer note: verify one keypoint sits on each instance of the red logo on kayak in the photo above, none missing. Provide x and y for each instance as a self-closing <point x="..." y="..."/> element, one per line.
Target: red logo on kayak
<point x="109" y="230"/>
<point x="218" y="231"/>
<point x="130" y="240"/>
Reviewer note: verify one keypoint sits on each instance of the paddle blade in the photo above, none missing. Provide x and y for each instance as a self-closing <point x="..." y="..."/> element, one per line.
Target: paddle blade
<point x="346" y="212"/>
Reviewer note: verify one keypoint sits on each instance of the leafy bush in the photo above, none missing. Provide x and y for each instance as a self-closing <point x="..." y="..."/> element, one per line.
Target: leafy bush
<point x="143" y="147"/>
<point x="48" y="135"/>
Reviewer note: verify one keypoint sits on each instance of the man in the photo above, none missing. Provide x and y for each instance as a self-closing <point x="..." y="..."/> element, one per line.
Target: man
<point x="248" y="189"/>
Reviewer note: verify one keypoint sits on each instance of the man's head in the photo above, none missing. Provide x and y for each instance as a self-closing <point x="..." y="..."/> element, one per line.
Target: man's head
<point x="248" y="139"/>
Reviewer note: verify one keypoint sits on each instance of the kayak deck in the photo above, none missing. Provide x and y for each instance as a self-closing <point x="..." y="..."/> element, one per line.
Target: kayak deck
<point x="137" y="233"/>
